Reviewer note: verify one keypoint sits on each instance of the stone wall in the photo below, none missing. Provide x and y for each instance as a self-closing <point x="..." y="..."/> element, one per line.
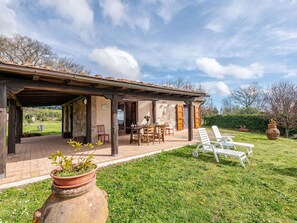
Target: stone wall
<point x="79" y="118"/>
<point x="166" y="112"/>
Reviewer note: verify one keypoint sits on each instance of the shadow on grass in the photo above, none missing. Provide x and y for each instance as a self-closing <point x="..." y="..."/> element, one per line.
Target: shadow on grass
<point x="205" y="157"/>
<point x="292" y="172"/>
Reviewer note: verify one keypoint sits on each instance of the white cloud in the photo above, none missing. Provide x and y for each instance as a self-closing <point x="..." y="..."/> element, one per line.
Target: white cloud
<point x="114" y="9"/>
<point x="290" y="75"/>
<point x="121" y="13"/>
<point x="8" y="24"/>
<point x="117" y="62"/>
<point x="78" y="12"/>
<point x="218" y="88"/>
<point x="214" y="69"/>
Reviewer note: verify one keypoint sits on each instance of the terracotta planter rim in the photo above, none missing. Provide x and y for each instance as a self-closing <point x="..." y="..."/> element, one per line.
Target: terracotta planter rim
<point x="71" y="177"/>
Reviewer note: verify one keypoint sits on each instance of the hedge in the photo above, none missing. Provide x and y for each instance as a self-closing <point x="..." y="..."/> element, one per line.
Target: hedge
<point x="255" y="123"/>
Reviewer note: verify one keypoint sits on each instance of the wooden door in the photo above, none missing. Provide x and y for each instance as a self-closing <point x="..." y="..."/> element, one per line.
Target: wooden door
<point x="179" y="117"/>
<point x="197" y="119"/>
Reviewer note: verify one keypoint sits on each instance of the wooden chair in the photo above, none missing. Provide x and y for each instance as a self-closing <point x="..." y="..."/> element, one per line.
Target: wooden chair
<point x="101" y="134"/>
<point x="169" y="129"/>
<point x="160" y="133"/>
<point x="148" y="134"/>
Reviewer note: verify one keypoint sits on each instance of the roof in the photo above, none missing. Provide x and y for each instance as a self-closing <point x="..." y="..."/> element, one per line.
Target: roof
<point x="122" y="86"/>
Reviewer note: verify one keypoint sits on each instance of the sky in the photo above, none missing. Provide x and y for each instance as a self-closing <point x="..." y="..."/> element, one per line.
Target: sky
<point x="220" y="44"/>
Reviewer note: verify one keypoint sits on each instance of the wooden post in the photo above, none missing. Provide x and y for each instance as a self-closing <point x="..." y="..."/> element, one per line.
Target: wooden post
<point x="62" y="130"/>
<point x="154" y="111"/>
<point x="12" y="126"/>
<point x="71" y="120"/>
<point x="89" y="119"/>
<point x="3" y="115"/>
<point x="190" y="121"/>
<point x="114" y="125"/>
<point x="21" y="122"/>
<point x="18" y="125"/>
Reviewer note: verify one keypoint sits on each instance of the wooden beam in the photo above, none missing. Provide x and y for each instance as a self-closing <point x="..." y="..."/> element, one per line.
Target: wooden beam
<point x="12" y="126"/>
<point x="190" y="121"/>
<point x="154" y="111"/>
<point x="114" y="125"/>
<point x="89" y="119"/>
<point x="35" y="77"/>
<point x="63" y="117"/>
<point x="3" y="115"/>
<point x="74" y="90"/>
<point x="18" y="125"/>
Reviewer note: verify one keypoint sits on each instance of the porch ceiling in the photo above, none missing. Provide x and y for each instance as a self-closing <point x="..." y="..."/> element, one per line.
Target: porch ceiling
<point x="35" y="86"/>
<point x="35" y="97"/>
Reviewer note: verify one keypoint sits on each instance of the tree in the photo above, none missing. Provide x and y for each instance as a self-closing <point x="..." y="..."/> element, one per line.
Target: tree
<point x="281" y="104"/>
<point x="24" y="50"/>
<point x="228" y="108"/>
<point x="248" y="97"/>
<point x="179" y="83"/>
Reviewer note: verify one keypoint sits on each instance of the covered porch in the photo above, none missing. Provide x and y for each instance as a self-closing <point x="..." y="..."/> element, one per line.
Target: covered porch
<point x="31" y="158"/>
<point x="26" y="86"/>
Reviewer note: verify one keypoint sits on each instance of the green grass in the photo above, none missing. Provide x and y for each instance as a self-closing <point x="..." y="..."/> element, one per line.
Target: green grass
<point x="50" y="127"/>
<point x="175" y="187"/>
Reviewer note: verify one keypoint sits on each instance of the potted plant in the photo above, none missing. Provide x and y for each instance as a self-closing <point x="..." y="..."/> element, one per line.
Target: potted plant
<point x="71" y="171"/>
<point x="272" y="132"/>
<point x="243" y="129"/>
<point x="147" y="118"/>
<point x="75" y="196"/>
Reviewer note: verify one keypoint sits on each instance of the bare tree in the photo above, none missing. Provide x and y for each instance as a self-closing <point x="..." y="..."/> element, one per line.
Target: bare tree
<point x="281" y="104"/>
<point x="67" y="64"/>
<point x="180" y="83"/>
<point x="24" y="50"/>
<point x="250" y="96"/>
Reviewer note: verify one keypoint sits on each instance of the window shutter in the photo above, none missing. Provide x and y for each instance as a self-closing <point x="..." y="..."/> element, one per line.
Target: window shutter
<point x="197" y="123"/>
<point x="179" y="117"/>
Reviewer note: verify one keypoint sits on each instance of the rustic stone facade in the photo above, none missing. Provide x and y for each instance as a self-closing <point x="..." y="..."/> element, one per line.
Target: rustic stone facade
<point x="166" y="112"/>
<point x="79" y="118"/>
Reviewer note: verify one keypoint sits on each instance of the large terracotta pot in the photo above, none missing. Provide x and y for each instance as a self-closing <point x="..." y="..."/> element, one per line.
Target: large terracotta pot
<point x="272" y="132"/>
<point x="84" y="202"/>
<point x="74" y="181"/>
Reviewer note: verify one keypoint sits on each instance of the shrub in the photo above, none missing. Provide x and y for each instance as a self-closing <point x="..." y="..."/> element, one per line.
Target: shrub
<point x="256" y="123"/>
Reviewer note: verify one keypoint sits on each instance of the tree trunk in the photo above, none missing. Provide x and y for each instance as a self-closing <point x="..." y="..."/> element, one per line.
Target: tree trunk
<point x="287" y="132"/>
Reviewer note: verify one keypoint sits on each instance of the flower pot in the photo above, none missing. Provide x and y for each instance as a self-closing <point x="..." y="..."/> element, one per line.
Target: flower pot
<point x="73" y="181"/>
<point x="86" y="203"/>
<point x="272" y="132"/>
<point x="243" y="130"/>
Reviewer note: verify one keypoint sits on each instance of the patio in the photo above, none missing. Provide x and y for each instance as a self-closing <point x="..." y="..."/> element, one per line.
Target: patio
<point x="31" y="158"/>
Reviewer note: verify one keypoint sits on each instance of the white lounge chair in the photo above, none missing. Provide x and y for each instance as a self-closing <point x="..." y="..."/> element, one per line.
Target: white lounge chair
<point x="217" y="149"/>
<point x="228" y="142"/>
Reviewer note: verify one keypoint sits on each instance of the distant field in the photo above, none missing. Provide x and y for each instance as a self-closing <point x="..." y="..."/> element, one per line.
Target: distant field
<point x="50" y="127"/>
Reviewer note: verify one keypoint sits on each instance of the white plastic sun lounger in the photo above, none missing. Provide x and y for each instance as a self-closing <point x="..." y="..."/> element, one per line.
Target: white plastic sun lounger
<point x="217" y="149"/>
<point x="228" y="142"/>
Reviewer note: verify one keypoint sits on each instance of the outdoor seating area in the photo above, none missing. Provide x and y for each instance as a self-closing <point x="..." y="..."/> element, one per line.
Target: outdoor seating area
<point x="147" y="133"/>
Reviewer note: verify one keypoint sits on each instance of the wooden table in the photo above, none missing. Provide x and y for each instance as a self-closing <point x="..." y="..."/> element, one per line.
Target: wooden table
<point x="137" y="132"/>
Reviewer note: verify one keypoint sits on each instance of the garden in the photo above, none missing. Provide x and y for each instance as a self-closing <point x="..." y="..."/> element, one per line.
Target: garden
<point x="176" y="187"/>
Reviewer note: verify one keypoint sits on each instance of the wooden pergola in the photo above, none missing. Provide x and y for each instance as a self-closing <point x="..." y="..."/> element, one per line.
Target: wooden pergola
<point x="26" y="86"/>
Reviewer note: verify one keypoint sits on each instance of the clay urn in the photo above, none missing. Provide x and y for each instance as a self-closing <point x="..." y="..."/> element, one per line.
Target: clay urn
<point x="74" y="199"/>
<point x="272" y="132"/>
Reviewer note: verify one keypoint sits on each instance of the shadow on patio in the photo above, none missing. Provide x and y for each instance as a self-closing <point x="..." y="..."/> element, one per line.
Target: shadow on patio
<point x="31" y="158"/>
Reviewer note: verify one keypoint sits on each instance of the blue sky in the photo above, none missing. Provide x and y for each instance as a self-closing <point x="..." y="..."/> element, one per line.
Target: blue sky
<point x="221" y="44"/>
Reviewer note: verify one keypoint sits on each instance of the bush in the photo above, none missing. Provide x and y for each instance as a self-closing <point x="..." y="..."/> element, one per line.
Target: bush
<point x="256" y="123"/>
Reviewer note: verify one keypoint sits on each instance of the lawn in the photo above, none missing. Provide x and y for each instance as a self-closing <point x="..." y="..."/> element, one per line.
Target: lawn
<point x="50" y="127"/>
<point x="175" y="187"/>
